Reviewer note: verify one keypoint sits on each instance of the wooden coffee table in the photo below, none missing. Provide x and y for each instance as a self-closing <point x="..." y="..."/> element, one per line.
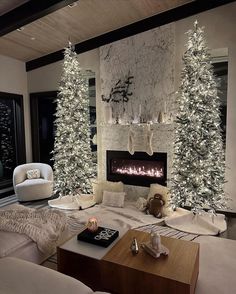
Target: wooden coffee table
<point x="116" y="270"/>
<point x="177" y="273"/>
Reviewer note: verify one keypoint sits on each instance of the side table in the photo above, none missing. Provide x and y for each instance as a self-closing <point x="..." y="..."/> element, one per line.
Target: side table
<point x="82" y="260"/>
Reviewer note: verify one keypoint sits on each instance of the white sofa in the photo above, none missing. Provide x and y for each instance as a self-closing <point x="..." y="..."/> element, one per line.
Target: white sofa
<point x="23" y="277"/>
<point x="217" y="266"/>
<point x="217" y="269"/>
<point x="33" y="189"/>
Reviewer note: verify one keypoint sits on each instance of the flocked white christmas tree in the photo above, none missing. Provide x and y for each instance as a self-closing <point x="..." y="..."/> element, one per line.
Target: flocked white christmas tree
<point x="198" y="166"/>
<point x="73" y="166"/>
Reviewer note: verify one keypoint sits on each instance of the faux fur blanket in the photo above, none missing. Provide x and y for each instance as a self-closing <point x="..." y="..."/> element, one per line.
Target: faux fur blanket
<point x="43" y="226"/>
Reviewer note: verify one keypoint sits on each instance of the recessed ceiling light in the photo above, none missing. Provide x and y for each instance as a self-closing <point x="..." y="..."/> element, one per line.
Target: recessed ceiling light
<point x="20" y="29"/>
<point x="32" y="38"/>
<point x="72" y="4"/>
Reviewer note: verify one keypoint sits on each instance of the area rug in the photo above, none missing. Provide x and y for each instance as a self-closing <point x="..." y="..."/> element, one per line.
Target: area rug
<point x="168" y="232"/>
<point x="32" y="204"/>
<point x="51" y="262"/>
<point x="8" y="200"/>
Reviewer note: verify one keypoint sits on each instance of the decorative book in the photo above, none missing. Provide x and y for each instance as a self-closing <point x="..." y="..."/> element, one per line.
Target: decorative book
<point x="102" y="237"/>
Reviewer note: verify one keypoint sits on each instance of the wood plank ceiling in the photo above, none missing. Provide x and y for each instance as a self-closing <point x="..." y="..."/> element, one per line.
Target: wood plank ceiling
<point x="85" y="20"/>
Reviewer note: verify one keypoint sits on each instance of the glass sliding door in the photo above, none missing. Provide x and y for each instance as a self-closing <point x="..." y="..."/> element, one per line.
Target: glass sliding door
<point x="12" y="138"/>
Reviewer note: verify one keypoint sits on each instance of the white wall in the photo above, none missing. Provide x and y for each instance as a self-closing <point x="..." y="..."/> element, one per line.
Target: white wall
<point x="220" y="32"/>
<point x="47" y="78"/>
<point x="13" y="79"/>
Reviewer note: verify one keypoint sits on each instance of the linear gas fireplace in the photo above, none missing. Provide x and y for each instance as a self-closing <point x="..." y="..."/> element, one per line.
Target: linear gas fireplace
<point x="139" y="169"/>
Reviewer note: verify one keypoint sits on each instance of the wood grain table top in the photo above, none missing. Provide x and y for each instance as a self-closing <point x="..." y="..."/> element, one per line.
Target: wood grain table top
<point x="179" y="265"/>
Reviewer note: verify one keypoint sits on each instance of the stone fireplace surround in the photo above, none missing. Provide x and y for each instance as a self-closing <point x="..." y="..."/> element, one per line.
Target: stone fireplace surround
<point x="115" y="137"/>
<point x="150" y="58"/>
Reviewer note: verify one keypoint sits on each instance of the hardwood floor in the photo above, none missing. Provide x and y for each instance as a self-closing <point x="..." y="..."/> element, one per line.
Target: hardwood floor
<point x="230" y="233"/>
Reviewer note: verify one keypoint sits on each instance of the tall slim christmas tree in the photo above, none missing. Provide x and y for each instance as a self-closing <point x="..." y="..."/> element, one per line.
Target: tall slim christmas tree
<point x="198" y="165"/>
<point x="73" y="167"/>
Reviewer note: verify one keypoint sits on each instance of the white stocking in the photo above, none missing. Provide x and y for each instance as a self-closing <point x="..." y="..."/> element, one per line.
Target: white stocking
<point x="131" y="141"/>
<point x="149" y="141"/>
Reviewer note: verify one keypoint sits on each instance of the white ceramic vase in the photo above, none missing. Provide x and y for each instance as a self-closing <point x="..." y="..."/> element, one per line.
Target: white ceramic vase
<point x="108" y="114"/>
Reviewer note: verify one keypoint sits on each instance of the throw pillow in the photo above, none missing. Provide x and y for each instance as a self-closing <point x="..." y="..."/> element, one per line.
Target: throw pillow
<point x="159" y="189"/>
<point x="141" y="203"/>
<point x="33" y="174"/>
<point x="115" y="199"/>
<point x="100" y="186"/>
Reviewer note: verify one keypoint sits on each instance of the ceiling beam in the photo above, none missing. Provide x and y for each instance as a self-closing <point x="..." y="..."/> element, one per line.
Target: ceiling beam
<point x="157" y="20"/>
<point x="28" y="12"/>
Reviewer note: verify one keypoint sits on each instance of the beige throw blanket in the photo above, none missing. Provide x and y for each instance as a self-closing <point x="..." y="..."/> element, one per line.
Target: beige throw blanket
<point x="43" y="226"/>
<point x="119" y="218"/>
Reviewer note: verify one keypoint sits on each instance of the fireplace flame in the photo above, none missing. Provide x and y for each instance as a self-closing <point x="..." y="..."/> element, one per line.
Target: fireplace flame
<point x="141" y="171"/>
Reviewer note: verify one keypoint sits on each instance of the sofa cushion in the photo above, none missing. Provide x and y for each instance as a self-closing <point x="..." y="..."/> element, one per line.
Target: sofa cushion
<point x="217" y="265"/>
<point x="22" y="277"/>
<point x="10" y="242"/>
<point x="33" y="189"/>
<point x="36" y="183"/>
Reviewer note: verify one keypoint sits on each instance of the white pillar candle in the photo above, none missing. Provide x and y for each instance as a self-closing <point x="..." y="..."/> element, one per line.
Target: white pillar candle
<point x="108" y="114"/>
<point x="165" y="107"/>
<point x="140" y="109"/>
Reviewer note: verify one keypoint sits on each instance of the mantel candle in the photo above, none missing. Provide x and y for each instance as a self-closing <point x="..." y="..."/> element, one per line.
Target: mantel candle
<point x="165" y="110"/>
<point x="140" y="110"/>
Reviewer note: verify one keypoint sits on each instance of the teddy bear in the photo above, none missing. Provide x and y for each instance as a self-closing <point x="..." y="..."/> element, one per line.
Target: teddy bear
<point x="155" y="205"/>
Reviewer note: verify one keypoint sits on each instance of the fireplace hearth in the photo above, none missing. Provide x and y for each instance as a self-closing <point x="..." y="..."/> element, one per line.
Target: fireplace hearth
<point x="138" y="169"/>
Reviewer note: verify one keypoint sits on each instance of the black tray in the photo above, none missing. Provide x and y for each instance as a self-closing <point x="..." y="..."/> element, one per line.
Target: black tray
<point x="102" y="237"/>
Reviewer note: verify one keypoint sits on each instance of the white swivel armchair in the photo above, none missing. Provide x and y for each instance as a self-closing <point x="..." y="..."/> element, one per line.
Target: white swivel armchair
<point x="33" y="189"/>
